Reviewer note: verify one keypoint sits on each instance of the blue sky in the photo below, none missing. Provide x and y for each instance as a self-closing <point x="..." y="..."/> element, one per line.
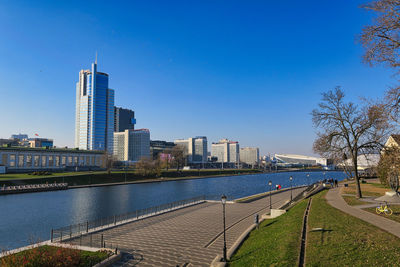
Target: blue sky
<point x="250" y="71"/>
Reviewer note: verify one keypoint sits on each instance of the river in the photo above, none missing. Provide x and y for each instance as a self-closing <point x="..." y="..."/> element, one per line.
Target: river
<point x="28" y="218"/>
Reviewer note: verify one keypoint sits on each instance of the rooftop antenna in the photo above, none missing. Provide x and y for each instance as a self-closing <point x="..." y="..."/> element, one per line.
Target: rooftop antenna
<point x="96" y="58"/>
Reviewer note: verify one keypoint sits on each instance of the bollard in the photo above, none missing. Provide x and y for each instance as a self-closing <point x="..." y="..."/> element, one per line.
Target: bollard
<point x="256" y="219"/>
<point x="51" y="239"/>
<point x="91" y="240"/>
<point x="61" y="236"/>
<point x="80" y="240"/>
<point x="87" y="226"/>
<point x="101" y="242"/>
<point x="115" y="220"/>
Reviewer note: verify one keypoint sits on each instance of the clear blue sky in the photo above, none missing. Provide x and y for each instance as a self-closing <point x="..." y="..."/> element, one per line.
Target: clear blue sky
<point x="250" y="71"/>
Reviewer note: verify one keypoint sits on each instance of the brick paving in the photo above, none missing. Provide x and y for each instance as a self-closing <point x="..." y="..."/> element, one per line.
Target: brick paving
<point x="191" y="236"/>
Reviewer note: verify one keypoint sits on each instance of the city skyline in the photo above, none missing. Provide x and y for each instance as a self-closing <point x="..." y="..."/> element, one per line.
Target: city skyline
<point x="237" y="81"/>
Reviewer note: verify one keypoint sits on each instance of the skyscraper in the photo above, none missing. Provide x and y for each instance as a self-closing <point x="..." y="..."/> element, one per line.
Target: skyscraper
<point x="94" y="121"/>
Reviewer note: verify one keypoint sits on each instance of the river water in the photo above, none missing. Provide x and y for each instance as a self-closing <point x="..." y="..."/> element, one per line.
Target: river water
<point x="27" y="218"/>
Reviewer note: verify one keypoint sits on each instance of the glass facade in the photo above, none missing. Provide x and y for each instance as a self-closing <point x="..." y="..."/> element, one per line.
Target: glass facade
<point x="94" y="112"/>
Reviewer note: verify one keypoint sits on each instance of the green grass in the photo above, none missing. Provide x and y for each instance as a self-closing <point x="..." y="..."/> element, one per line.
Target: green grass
<point x="275" y="243"/>
<point x="347" y="241"/>
<point x="352" y="200"/>
<point x="53" y="256"/>
<point x="395" y="216"/>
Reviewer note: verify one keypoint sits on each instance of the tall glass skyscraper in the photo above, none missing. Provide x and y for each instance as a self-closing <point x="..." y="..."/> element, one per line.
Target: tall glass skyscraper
<point x="94" y="123"/>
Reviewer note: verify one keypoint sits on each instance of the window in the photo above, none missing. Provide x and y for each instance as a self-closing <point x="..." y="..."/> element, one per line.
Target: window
<point x="5" y="159"/>
<point x="36" y="160"/>
<point x="51" y="161"/>
<point x="64" y="160"/>
<point x="12" y="160"/>
<point x="20" y="160"/>
<point x="57" y="161"/>
<point x="76" y="161"/>
<point x="28" y="160"/>
<point x="44" y="161"/>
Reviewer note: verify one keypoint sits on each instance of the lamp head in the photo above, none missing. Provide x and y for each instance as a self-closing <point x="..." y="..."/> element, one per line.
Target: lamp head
<point x="291" y="178"/>
<point x="223" y="199"/>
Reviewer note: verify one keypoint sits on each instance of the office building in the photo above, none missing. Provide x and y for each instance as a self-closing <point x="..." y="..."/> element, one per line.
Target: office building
<point x="94" y="119"/>
<point x="195" y="148"/>
<point x="250" y="155"/>
<point x="225" y="151"/>
<point x="132" y="145"/>
<point x="124" y="119"/>
<point x="157" y="147"/>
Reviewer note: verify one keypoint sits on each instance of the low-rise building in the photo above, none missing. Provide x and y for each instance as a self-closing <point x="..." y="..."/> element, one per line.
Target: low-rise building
<point x="25" y="159"/>
<point x="40" y="142"/>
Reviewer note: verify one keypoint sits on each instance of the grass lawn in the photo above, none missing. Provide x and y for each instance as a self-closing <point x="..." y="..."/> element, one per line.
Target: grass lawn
<point x="47" y="256"/>
<point x="347" y="241"/>
<point x="372" y="189"/>
<point x="275" y="243"/>
<point x="395" y="216"/>
<point x="352" y="200"/>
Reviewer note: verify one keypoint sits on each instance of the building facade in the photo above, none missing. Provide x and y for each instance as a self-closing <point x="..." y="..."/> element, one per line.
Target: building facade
<point x="40" y="142"/>
<point x="124" y="119"/>
<point x="158" y="146"/>
<point x="94" y="114"/>
<point x="250" y="155"/>
<point x="19" y="136"/>
<point x="132" y="145"/>
<point x="195" y="148"/>
<point x="23" y="159"/>
<point x="225" y="151"/>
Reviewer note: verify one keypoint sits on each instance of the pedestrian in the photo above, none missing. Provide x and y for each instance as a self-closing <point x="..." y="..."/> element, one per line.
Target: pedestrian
<point x="276" y="187"/>
<point x="336" y="183"/>
<point x="279" y="186"/>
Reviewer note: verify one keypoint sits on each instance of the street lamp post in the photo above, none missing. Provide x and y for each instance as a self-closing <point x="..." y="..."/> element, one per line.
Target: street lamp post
<point x="270" y="202"/>
<point x="291" y="195"/>
<point x="223" y="200"/>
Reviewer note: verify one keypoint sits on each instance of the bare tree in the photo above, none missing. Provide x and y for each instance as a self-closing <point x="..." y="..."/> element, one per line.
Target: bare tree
<point x="146" y="166"/>
<point x="108" y="161"/>
<point x="381" y="40"/>
<point x="347" y="131"/>
<point x="178" y="156"/>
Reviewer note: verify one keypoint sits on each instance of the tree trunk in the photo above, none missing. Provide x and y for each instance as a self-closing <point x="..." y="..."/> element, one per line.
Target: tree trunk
<point x="358" y="187"/>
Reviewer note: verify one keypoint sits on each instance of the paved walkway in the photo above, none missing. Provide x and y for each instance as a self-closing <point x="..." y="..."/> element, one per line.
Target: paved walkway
<point x="335" y="200"/>
<point x="191" y="236"/>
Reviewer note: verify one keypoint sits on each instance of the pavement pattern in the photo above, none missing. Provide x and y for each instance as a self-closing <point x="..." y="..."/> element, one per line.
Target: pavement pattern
<point x="191" y="236"/>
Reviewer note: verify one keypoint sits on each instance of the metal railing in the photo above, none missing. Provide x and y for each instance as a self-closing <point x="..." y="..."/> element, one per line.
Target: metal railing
<point x="84" y="228"/>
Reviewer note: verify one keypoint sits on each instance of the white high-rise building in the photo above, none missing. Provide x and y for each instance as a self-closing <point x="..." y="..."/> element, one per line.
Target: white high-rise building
<point x="195" y="148"/>
<point x="225" y="151"/>
<point x="94" y="114"/>
<point x="132" y="145"/>
<point x="250" y="155"/>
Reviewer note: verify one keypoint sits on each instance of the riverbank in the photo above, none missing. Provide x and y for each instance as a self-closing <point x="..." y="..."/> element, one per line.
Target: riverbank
<point x="93" y="179"/>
